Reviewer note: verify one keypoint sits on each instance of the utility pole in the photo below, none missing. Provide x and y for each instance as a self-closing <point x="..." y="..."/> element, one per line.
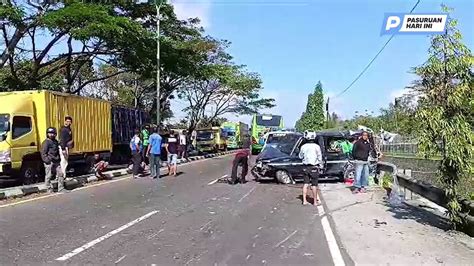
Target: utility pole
<point x="327" y="114"/>
<point x="158" y="4"/>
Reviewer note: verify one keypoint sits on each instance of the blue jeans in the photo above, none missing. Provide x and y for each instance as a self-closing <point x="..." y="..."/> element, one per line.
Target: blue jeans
<point x="361" y="174"/>
<point x="155" y="164"/>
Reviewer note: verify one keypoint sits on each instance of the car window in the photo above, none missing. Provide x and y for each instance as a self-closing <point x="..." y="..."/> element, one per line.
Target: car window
<point x="333" y="148"/>
<point x="21" y="126"/>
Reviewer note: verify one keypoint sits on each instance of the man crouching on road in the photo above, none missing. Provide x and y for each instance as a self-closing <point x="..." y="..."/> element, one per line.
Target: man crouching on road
<point x="51" y="160"/>
<point x="311" y="155"/>
<point x="241" y="159"/>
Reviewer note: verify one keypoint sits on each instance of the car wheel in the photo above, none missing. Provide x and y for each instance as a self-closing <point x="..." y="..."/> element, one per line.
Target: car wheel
<point x="284" y="177"/>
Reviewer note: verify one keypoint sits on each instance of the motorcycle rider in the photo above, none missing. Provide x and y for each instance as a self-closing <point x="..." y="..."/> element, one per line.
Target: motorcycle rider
<point x="312" y="158"/>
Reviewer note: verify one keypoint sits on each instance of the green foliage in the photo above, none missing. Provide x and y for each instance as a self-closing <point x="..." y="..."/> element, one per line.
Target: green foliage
<point x="445" y="106"/>
<point x="313" y="118"/>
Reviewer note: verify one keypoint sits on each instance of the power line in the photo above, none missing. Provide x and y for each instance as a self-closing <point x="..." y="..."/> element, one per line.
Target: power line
<point x="373" y="59"/>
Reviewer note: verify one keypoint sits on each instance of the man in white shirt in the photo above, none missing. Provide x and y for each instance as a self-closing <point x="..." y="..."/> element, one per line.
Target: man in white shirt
<point x="182" y="145"/>
<point x="311" y="155"/>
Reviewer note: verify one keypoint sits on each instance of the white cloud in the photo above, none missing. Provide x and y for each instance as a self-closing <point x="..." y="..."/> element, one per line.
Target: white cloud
<point x="201" y="9"/>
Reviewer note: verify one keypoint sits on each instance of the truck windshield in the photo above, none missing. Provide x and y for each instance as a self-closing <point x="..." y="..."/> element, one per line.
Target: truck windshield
<point x="3" y="119"/>
<point x="204" y="135"/>
<point x="230" y="133"/>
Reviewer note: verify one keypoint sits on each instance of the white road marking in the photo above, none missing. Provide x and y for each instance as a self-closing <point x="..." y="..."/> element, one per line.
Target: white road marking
<point x="332" y="243"/>
<point x="248" y="193"/>
<point x="119" y="260"/>
<point x="321" y="211"/>
<point x="104" y="237"/>
<point x="284" y="240"/>
<point x="215" y="180"/>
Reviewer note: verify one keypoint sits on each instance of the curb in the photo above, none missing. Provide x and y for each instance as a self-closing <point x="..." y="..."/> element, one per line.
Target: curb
<point x="21" y="191"/>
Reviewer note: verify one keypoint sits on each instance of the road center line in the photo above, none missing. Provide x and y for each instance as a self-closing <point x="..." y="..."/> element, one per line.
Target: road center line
<point x="248" y="193"/>
<point x="104" y="237"/>
<point x="215" y="180"/>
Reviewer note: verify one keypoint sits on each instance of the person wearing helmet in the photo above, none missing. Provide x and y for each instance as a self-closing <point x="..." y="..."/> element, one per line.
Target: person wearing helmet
<point x="310" y="154"/>
<point x="51" y="159"/>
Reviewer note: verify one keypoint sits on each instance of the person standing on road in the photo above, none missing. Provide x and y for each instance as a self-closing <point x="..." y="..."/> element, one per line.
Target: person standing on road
<point x="136" y="148"/>
<point x="154" y="152"/>
<point x="51" y="159"/>
<point x="311" y="155"/>
<point x="183" y="147"/>
<point x="145" y="142"/>
<point x="66" y="143"/>
<point x="172" y="151"/>
<point x="241" y="159"/>
<point x="360" y="153"/>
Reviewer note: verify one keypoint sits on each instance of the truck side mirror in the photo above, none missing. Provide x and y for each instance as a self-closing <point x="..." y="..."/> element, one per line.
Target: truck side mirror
<point x="6" y="125"/>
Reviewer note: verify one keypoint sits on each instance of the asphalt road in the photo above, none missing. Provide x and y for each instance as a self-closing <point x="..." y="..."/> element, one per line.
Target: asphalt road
<point x="181" y="220"/>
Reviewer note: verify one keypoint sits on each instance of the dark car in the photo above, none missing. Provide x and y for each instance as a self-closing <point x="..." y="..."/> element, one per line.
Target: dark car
<point x="282" y="162"/>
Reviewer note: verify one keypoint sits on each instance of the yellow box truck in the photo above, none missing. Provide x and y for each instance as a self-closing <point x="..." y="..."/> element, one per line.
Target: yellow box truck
<point x="211" y="139"/>
<point x="98" y="127"/>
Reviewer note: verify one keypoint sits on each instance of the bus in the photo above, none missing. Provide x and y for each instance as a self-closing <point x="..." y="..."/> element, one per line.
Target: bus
<point x="261" y="124"/>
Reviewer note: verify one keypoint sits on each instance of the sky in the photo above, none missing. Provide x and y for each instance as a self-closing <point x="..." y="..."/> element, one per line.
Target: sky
<point x="293" y="44"/>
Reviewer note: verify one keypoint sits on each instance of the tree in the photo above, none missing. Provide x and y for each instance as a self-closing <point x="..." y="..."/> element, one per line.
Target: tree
<point x="445" y="104"/>
<point x="89" y="32"/>
<point x="220" y="87"/>
<point x="333" y="121"/>
<point x="313" y="118"/>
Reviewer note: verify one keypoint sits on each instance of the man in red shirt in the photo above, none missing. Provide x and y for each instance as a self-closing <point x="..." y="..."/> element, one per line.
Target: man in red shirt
<point x="241" y="159"/>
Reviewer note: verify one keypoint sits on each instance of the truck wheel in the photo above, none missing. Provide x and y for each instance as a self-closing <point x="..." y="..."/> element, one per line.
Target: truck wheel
<point x="29" y="173"/>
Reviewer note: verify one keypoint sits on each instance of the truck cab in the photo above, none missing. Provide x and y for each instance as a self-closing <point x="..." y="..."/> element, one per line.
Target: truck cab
<point x="211" y="139"/>
<point x="18" y="139"/>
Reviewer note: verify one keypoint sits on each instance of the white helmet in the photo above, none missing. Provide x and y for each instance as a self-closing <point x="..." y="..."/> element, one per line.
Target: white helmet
<point x="310" y="134"/>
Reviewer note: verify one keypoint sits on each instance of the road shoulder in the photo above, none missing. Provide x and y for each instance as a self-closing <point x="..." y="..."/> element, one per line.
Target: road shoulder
<point x="373" y="231"/>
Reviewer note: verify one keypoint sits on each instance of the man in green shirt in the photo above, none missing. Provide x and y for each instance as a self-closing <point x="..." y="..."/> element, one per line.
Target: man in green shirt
<point x="145" y="138"/>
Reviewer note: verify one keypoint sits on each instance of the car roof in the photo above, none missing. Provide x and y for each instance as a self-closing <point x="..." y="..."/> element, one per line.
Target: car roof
<point x="333" y="133"/>
<point x="282" y="131"/>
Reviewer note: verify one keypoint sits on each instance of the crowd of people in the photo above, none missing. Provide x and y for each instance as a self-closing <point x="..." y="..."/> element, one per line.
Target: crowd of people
<point x="149" y="147"/>
<point x="148" y="150"/>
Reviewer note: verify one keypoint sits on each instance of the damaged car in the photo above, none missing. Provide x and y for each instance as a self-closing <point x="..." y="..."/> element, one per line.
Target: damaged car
<point x="281" y="161"/>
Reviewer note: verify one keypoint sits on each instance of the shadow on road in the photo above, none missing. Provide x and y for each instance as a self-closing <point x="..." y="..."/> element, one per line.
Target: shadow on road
<point x="422" y="216"/>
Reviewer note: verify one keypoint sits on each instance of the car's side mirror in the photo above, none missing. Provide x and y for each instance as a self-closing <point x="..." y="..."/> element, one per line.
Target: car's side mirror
<point x="6" y="125"/>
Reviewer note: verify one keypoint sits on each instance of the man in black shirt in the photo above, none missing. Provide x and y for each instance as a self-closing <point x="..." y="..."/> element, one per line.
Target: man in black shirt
<point x="51" y="158"/>
<point x="360" y="152"/>
<point x="66" y="143"/>
<point x="172" y="151"/>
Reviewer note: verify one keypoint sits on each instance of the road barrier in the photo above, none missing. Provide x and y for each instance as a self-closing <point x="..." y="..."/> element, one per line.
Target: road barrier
<point x="432" y="193"/>
<point x="21" y="191"/>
